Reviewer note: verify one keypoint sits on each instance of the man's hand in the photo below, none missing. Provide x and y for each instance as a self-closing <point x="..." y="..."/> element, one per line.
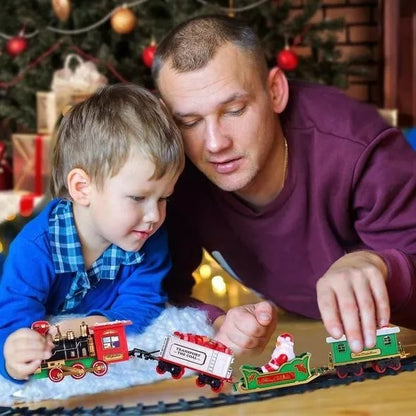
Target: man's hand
<point x="246" y="329"/>
<point x="24" y="350"/>
<point x="353" y="298"/>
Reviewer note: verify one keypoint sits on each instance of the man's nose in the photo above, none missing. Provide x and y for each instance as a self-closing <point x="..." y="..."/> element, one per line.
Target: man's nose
<point x="216" y="139"/>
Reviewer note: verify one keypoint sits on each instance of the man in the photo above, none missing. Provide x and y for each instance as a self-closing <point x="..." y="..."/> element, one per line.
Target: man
<point x="307" y="195"/>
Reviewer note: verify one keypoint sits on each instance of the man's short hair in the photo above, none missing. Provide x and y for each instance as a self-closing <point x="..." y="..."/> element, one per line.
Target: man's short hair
<point x="193" y="44"/>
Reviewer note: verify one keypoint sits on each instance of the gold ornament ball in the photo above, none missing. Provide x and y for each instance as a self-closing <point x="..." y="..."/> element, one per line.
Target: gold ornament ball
<point x="62" y="9"/>
<point x="123" y="21"/>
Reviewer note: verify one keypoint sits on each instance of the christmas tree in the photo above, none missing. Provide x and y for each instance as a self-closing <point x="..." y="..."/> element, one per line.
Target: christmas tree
<point x="37" y="35"/>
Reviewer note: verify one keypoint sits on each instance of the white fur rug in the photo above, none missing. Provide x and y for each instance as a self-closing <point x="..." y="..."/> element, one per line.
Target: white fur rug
<point x="120" y="375"/>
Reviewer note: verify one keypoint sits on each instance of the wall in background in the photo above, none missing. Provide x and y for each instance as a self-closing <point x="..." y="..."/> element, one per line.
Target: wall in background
<point x="361" y="36"/>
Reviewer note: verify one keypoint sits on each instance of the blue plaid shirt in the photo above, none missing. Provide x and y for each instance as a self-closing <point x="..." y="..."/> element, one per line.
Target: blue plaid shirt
<point x="67" y="256"/>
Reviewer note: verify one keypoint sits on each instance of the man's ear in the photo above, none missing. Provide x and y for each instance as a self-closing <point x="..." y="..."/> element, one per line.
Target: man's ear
<point x="279" y="89"/>
<point x="79" y="186"/>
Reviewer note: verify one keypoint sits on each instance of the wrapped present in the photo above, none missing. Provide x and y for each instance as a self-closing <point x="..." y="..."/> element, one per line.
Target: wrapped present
<point x="31" y="162"/>
<point x="6" y="173"/>
<point x="47" y="111"/>
<point x="70" y="85"/>
<point x="13" y="203"/>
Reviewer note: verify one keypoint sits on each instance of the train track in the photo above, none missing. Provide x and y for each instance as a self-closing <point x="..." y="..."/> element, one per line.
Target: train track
<point x="324" y="381"/>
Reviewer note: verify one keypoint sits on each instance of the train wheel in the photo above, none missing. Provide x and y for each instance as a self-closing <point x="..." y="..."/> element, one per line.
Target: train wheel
<point x="359" y="371"/>
<point x="199" y="381"/>
<point x="161" y="367"/>
<point x="177" y="372"/>
<point x="342" y="373"/>
<point x="56" y="374"/>
<point x="79" y="371"/>
<point x="216" y="385"/>
<point x="396" y="365"/>
<point x="379" y="367"/>
<point x="99" y="368"/>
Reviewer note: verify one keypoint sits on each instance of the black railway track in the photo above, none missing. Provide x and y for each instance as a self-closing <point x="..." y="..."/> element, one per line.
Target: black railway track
<point x="324" y="381"/>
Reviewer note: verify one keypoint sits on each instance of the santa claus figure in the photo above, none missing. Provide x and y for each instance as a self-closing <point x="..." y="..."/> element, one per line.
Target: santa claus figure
<point x="282" y="353"/>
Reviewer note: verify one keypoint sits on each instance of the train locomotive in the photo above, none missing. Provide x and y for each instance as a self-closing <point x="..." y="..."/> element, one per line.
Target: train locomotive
<point x="91" y="351"/>
<point x="100" y="345"/>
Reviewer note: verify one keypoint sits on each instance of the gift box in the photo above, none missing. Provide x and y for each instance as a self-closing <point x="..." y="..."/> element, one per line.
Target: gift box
<point x="70" y="85"/>
<point x="13" y="203"/>
<point x="31" y="169"/>
<point x="50" y="106"/>
<point x="6" y="172"/>
<point x="47" y="111"/>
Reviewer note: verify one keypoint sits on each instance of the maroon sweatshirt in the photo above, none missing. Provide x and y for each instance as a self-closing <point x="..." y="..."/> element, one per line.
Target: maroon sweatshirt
<point x="351" y="185"/>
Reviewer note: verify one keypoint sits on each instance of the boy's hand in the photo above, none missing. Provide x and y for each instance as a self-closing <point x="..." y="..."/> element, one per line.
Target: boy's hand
<point x="246" y="329"/>
<point x="24" y="350"/>
<point x="353" y="298"/>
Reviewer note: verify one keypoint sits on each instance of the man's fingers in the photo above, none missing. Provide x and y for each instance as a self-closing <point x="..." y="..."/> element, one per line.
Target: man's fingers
<point x="264" y="313"/>
<point x="328" y="307"/>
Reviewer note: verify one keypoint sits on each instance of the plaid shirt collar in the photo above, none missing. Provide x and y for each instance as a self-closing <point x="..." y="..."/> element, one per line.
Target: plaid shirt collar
<point x="67" y="255"/>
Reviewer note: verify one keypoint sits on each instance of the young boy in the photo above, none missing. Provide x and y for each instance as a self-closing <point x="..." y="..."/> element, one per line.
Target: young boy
<point x="97" y="249"/>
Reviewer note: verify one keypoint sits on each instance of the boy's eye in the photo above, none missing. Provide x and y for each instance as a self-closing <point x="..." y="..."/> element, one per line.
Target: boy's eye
<point x="136" y="198"/>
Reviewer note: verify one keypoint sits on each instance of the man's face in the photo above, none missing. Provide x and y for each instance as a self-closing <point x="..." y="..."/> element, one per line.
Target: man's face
<point x="226" y="118"/>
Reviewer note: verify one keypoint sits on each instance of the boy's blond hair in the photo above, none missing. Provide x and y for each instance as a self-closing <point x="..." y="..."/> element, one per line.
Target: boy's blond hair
<point x="98" y="135"/>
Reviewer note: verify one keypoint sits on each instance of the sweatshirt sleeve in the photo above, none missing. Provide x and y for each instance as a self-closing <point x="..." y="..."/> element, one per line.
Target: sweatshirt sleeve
<point x="385" y="207"/>
<point x="186" y="252"/>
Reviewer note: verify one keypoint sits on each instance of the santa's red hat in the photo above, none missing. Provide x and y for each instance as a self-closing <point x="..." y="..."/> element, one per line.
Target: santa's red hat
<point x="286" y="337"/>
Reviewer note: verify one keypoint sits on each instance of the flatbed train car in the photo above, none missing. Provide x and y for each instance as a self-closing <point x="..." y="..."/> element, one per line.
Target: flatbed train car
<point x="100" y="345"/>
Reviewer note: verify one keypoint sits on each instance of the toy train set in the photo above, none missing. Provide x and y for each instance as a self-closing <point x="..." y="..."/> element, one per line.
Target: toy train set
<point x="103" y="344"/>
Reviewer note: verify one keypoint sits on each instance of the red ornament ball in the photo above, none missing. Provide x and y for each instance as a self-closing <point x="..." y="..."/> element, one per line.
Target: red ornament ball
<point x="287" y="60"/>
<point x="148" y="55"/>
<point x="15" y="46"/>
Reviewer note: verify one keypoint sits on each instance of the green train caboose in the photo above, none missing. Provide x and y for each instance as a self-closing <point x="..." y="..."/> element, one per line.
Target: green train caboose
<point x="385" y="354"/>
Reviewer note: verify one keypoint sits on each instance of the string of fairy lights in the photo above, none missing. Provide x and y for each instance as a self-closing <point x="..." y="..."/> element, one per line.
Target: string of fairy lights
<point x="62" y="9"/>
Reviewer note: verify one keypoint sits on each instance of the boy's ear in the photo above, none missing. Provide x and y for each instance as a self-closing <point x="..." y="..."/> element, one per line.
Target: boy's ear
<point x="279" y="89"/>
<point x="79" y="185"/>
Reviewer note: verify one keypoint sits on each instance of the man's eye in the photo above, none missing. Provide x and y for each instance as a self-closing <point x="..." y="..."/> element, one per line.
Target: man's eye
<point x="188" y="124"/>
<point x="236" y="112"/>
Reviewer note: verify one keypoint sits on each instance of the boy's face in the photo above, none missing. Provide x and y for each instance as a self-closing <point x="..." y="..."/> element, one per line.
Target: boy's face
<point x="130" y="207"/>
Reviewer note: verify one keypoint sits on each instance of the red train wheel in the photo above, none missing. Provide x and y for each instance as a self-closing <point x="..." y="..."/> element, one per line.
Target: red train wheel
<point x="56" y="374"/>
<point x="177" y="372"/>
<point x="396" y="365"/>
<point x="99" y="368"/>
<point x="379" y="367"/>
<point x="342" y="373"/>
<point x="216" y="385"/>
<point x="79" y="371"/>
<point x="199" y="382"/>
<point x="359" y="371"/>
<point x="161" y="368"/>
